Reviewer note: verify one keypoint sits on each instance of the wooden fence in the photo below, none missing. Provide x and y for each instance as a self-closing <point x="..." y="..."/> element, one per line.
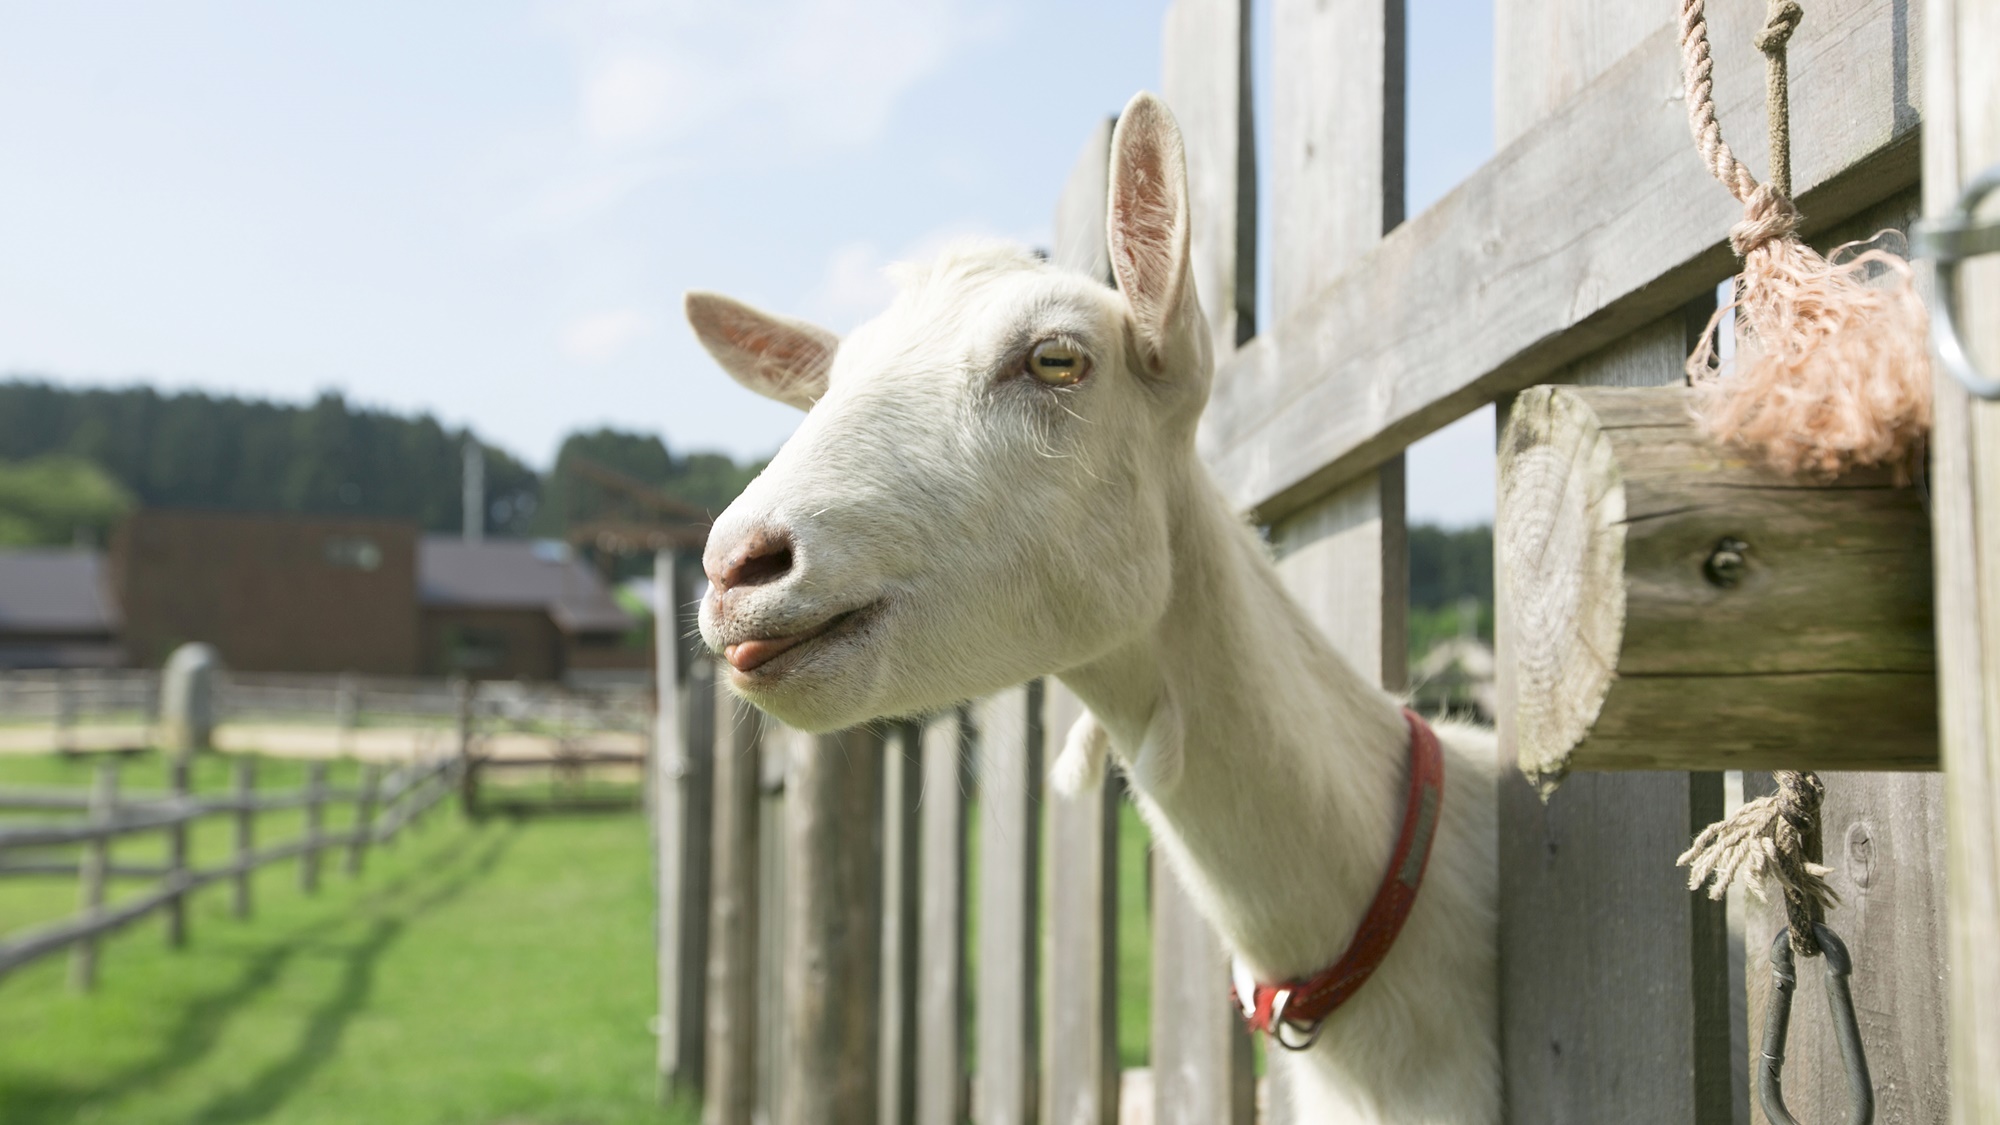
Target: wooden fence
<point x="815" y="970"/>
<point x="381" y="717"/>
<point x="81" y="846"/>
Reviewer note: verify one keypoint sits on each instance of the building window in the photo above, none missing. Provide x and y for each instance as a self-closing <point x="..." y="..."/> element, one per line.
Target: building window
<point x="469" y="649"/>
<point x="353" y="552"/>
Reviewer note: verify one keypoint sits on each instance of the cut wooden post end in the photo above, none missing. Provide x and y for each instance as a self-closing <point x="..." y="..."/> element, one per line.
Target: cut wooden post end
<point x="1678" y="607"/>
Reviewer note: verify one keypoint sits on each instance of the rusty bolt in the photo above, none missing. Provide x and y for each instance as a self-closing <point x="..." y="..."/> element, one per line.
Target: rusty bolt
<point x="1726" y="562"/>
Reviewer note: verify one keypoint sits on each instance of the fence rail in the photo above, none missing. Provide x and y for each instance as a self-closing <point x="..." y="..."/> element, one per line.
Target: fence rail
<point x="383" y="806"/>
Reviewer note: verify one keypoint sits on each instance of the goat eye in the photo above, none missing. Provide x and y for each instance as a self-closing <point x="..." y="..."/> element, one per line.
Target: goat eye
<point x="1058" y="364"/>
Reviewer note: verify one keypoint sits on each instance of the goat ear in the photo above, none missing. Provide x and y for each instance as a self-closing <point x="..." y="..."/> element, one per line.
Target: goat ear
<point x="1147" y="228"/>
<point x="776" y="356"/>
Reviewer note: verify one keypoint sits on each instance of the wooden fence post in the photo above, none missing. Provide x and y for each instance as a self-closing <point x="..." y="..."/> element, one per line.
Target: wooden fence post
<point x="902" y="792"/>
<point x="315" y="809"/>
<point x="1080" y="1004"/>
<point x="1201" y="1056"/>
<point x="1010" y="836"/>
<point x="246" y="832"/>
<point x="781" y="746"/>
<point x="1586" y="879"/>
<point x="96" y="862"/>
<point x="1962" y="139"/>
<point x="680" y="789"/>
<point x="833" y="939"/>
<point x="177" y="853"/>
<point x="364" y="817"/>
<point x="346" y="712"/>
<point x="729" y="1087"/>
<point x="465" y="695"/>
<point x="941" y="943"/>
<point x="65" y="710"/>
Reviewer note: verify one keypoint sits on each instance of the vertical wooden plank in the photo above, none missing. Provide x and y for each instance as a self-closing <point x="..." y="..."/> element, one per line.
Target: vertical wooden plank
<point x="1010" y="789"/>
<point x="315" y="827"/>
<point x="364" y="817"/>
<point x="902" y="787"/>
<point x="941" y="942"/>
<point x="1080" y="210"/>
<point x="1080" y="1004"/>
<point x="1201" y="1056"/>
<point x="668" y="828"/>
<point x="1205" y="79"/>
<point x="781" y="746"/>
<point x="730" y="1086"/>
<point x="465" y="699"/>
<point x="96" y="864"/>
<point x="680" y="833"/>
<point x="1883" y="833"/>
<point x="833" y="933"/>
<point x="246" y="833"/>
<point x="1336" y="187"/>
<point x="1546" y="50"/>
<point x="700" y="696"/>
<point x="1595" y="922"/>
<point x="1885" y="841"/>
<point x="1336" y="138"/>
<point x="1961" y="138"/>
<point x="1202" y="1059"/>
<point x="177" y="852"/>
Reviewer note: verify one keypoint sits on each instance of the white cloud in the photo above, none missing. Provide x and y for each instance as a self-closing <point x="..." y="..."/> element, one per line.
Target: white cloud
<point x="855" y="285"/>
<point x="660" y="81"/>
<point x="634" y="97"/>
<point x="601" y="336"/>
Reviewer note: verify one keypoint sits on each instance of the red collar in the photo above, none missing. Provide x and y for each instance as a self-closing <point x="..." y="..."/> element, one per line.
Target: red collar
<point x="1293" y="1011"/>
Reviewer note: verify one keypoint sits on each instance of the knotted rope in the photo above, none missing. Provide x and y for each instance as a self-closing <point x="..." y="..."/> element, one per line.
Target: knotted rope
<point x="1772" y="839"/>
<point x="1835" y="371"/>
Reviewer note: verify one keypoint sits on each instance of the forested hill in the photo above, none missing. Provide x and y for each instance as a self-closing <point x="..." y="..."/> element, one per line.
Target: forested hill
<point x="326" y="457"/>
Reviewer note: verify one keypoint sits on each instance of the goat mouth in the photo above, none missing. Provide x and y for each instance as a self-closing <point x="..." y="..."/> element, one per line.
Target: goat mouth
<point x="748" y="656"/>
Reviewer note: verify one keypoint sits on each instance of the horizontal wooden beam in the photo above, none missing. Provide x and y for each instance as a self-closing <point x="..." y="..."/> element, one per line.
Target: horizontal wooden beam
<point x="1676" y="607"/>
<point x="1595" y="222"/>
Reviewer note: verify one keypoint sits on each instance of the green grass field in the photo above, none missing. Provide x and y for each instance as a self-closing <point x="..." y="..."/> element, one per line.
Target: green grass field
<point x="492" y="974"/>
<point x="485" y="974"/>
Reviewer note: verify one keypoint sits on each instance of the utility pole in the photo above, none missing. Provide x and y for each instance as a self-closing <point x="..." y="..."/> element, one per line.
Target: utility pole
<point x="474" y="501"/>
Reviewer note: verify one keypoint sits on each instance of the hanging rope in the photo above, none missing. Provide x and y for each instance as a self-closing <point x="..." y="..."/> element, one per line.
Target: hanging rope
<point x="1832" y="372"/>
<point x="1774" y="839"/>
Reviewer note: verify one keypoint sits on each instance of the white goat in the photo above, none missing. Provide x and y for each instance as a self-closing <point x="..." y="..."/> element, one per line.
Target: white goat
<point x="996" y="479"/>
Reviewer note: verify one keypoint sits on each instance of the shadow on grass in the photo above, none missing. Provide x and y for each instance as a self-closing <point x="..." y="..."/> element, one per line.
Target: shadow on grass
<point x="200" y="1025"/>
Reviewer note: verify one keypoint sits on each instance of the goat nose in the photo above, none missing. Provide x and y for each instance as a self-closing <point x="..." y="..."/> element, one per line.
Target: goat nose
<point x="764" y="556"/>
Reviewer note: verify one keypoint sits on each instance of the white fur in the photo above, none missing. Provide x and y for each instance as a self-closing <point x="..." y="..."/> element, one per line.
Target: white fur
<point x="990" y="529"/>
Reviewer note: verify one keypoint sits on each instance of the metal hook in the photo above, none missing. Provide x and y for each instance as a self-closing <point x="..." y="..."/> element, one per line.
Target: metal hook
<point x="1949" y="241"/>
<point x="1770" y="1087"/>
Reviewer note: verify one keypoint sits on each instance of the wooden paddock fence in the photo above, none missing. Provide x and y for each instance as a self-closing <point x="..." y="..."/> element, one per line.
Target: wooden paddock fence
<point x="815" y="891"/>
<point x="378" y="717"/>
<point x="80" y="846"/>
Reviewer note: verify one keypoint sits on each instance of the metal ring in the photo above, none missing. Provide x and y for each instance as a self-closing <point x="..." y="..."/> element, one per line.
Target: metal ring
<point x="1777" y="1019"/>
<point x="1947" y="242"/>
<point x="1279" y="1026"/>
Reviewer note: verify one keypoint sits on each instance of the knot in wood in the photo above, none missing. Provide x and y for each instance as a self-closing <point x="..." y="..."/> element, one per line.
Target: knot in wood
<point x="1725" y="563"/>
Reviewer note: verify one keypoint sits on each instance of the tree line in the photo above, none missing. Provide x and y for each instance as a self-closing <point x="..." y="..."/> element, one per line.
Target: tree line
<point x="72" y="461"/>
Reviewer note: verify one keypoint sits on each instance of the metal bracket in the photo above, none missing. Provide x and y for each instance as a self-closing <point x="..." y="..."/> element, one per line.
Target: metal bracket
<point x="1778" y="1018"/>
<point x="1949" y="241"/>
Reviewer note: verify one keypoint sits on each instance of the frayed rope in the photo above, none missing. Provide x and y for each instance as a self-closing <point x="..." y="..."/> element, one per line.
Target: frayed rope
<point x="1771" y="840"/>
<point x="1833" y="368"/>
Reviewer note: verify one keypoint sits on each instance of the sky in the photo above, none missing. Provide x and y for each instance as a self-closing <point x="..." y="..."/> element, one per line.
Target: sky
<point x="489" y="210"/>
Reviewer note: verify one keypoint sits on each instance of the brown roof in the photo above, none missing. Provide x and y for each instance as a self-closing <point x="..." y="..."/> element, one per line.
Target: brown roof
<point x="517" y="574"/>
